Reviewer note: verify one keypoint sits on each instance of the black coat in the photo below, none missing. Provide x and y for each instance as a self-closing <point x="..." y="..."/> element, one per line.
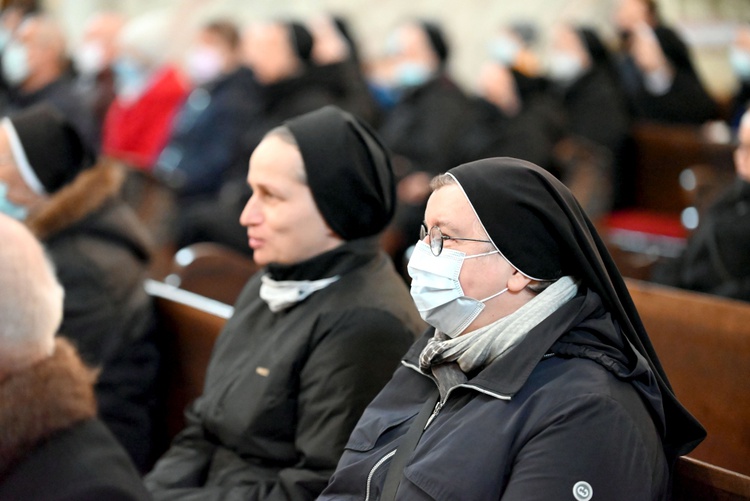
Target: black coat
<point x="566" y="405"/>
<point x="284" y="390"/>
<point x="717" y="257"/>
<point x="595" y="109"/>
<point x="205" y="138"/>
<point x="63" y="95"/>
<point x="421" y="129"/>
<point x="686" y="100"/>
<point x="101" y="256"/>
<point x="52" y="448"/>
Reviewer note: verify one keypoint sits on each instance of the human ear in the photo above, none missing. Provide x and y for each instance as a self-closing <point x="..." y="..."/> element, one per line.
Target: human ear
<point x="517" y="281"/>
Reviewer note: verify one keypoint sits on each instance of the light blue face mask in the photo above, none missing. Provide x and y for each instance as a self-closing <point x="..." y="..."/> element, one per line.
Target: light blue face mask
<point x="740" y="61"/>
<point x="15" y="63"/>
<point x="412" y="74"/>
<point x="130" y="78"/>
<point x="9" y="208"/>
<point x="504" y="50"/>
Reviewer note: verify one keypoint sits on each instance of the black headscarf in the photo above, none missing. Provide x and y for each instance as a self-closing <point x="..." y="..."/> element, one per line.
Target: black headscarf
<point x="348" y="171"/>
<point x="540" y="228"/>
<point x="54" y="149"/>
<point x="302" y="40"/>
<point x="437" y="40"/>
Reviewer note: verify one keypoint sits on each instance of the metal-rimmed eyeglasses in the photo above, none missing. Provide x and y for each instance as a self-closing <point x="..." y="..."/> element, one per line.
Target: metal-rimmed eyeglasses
<point x="436" y="238"/>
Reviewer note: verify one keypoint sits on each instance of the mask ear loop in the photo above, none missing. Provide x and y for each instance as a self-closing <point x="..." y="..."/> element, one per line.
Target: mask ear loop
<point x="482" y="255"/>
<point x="494" y="295"/>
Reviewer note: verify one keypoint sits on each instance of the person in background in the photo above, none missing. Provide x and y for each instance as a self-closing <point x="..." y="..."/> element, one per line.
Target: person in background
<point x="512" y="46"/>
<point x="337" y="62"/>
<point x="149" y="91"/>
<point x="11" y="16"/>
<point x="421" y="128"/>
<point x="739" y="58"/>
<point x="716" y="259"/>
<point x="537" y="379"/>
<point x="51" y="181"/>
<point x="656" y="68"/>
<point x="594" y="108"/>
<point x="36" y="67"/>
<point x="53" y="448"/>
<point x="93" y="59"/>
<point x="314" y="335"/>
<point x="510" y="118"/>
<point x="279" y="53"/>
<point x="205" y="138"/>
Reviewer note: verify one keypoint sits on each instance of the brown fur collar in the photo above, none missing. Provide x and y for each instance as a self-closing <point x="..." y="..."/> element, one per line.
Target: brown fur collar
<point x="45" y="398"/>
<point x="74" y="202"/>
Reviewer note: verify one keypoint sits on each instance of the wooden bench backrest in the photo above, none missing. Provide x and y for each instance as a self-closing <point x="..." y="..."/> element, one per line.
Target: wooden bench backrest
<point x="662" y="152"/>
<point x="698" y="481"/>
<point x="188" y="327"/>
<point x="211" y="270"/>
<point x="703" y="343"/>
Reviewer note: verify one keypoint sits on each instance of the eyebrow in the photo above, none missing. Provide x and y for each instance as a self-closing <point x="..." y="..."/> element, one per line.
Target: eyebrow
<point x="450" y="227"/>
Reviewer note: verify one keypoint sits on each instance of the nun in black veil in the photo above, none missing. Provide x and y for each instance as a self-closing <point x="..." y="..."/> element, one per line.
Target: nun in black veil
<point x="537" y="379"/>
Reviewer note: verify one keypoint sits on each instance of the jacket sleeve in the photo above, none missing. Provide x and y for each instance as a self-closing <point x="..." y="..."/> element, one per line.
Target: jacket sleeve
<point x="592" y="448"/>
<point x="186" y="463"/>
<point x="353" y="358"/>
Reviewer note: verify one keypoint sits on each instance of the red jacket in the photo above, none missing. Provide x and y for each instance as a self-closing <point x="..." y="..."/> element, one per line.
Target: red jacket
<point x="136" y="132"/>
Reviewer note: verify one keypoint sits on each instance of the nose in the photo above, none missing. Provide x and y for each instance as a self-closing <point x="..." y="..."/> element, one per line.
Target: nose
<point x="251" y="214"/>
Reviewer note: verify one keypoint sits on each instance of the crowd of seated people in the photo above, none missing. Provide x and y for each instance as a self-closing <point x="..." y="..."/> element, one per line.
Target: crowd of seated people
<point x="279" y="139"/>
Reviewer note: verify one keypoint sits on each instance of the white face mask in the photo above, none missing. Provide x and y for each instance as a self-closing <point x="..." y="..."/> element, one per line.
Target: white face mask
<point x="564" y="67"/>
<point x="281" y="294"/>
<point x="740" y="61"/>
<point x="203" y="64"/>
<point x="504" y="50"/>
<point x="9" y="208"/>
<point x="16" y="64"/>
<point x="437" y="292"/>
<point x="89" y="58"/>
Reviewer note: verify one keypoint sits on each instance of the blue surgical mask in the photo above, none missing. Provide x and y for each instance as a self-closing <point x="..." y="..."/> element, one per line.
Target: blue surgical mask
<point x="412" y="74"/>
<point x="131" y="79"/>
<point x="437" y="292"/>
<point x="740" y="61"/>
<point x="9" y="208"/>
<point x="15" y="63"/>
<point x="504" y="50"/>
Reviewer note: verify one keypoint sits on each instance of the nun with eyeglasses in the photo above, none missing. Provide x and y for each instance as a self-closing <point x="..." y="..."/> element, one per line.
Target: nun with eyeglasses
<point x="537" y="379"/>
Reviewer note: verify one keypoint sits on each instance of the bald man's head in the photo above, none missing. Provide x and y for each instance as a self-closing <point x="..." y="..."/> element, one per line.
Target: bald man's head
<point x="31" y="299"/>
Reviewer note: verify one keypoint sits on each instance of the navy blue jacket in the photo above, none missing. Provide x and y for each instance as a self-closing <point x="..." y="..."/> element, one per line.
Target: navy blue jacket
<point x="570" y="412"/>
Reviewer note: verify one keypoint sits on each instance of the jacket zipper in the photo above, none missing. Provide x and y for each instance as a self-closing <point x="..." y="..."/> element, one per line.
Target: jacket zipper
<point x="435" y="412"/>
<point x="372" y="471"/>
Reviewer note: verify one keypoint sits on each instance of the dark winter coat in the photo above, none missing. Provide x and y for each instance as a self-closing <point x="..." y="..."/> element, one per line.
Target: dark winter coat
<point x="284" y="390"/>
<point x="569" y="404"/>
<point x="717" y="260"/>
<point x="101" y="257"/>
<point x="421" y="128"/>
<point x="205" y="137"/>
<point x="52" y="447"/>
<point x="63" y="95"/>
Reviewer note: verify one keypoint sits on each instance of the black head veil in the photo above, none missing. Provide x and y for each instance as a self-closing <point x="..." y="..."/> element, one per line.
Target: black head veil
<point x="537" y="224"/>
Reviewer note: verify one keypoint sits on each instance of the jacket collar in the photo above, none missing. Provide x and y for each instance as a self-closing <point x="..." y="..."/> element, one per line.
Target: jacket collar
<point x="506" y="376"/>
<point x="44" y="399"/>
<point x="339" y="261"/>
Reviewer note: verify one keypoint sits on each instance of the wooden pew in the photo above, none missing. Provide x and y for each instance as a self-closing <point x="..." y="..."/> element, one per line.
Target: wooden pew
<point x="211" y="270"/>
<point x="188" y="327"/>
<point x="703" y="343"/>
<point x="661" y="152"/>
<point x="698" y="481"/>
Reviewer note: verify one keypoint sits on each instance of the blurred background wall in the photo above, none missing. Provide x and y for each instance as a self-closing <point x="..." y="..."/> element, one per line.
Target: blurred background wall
<point x="707" y="25"/>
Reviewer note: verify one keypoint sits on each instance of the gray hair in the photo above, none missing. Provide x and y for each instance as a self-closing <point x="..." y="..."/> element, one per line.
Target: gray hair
<point x="32" y="312"/>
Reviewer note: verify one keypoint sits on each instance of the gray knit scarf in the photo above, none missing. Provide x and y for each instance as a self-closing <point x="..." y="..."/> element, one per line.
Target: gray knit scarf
<point x="450" y="360"/>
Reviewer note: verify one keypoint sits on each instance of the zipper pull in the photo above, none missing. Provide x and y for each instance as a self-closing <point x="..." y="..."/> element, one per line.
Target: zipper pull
<point x="435" y="412"/>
